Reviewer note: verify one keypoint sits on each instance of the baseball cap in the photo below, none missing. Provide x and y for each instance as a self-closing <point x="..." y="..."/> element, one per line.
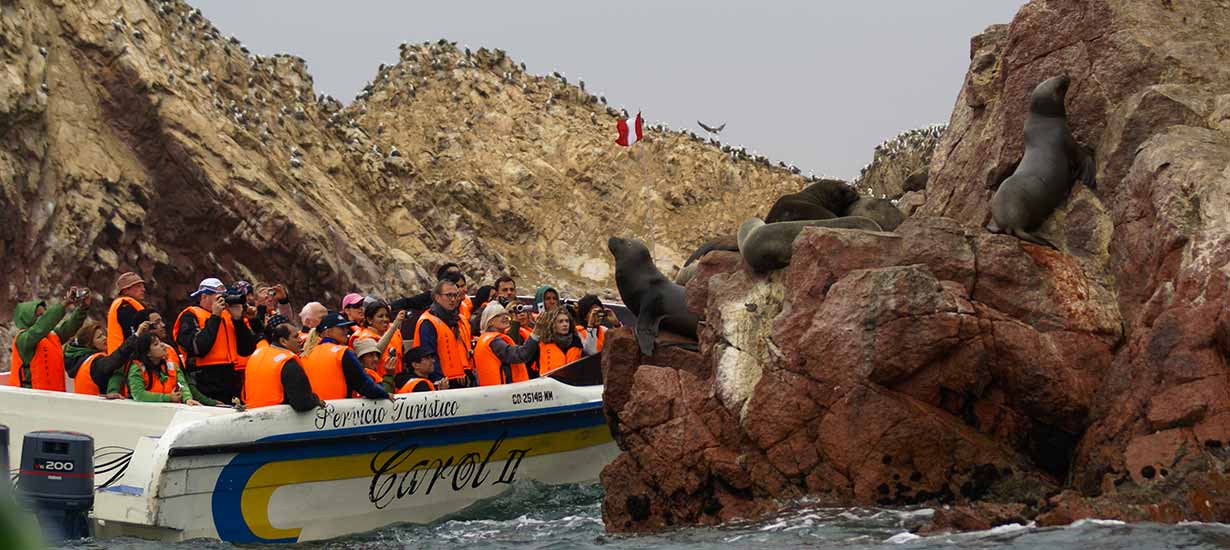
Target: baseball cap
<point x="352" y="299"/>
<point x="334" y="320"/>
<point x="209" y="286"/>
<point x="418" y="353"/>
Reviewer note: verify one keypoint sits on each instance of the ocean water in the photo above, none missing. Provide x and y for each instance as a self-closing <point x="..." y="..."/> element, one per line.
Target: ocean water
<point x="563" y="517"/>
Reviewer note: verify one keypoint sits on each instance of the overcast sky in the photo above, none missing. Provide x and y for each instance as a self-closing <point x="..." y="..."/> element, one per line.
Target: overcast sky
<point x="814" y="83"/>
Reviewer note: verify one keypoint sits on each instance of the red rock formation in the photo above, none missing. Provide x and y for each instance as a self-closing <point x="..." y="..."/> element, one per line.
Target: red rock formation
<point x="944" y="364"/>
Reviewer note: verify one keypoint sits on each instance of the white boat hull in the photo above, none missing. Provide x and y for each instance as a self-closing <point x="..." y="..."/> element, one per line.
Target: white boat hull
<point x="273" y="475"/>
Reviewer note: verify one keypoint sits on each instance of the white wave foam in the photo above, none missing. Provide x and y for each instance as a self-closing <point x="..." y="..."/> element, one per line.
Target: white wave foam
<point x="902" y="538"/>
<point x="1084" y="522"/>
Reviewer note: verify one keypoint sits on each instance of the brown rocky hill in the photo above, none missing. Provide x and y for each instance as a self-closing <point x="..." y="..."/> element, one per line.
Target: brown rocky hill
<point x="134" y="135"/>
<point x="945" y="364"/>
<point x="529" y="161"/>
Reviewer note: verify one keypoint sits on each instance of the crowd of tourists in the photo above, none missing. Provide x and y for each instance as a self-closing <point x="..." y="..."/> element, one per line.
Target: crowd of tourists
<point x="242" y="345"/>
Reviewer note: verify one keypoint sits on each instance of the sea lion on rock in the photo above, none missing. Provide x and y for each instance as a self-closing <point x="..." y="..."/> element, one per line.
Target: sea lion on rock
<point x="822" y="200"/>
<point x="725" y="242"/>
<point x="883" y="211"/>
<point x="657" y="302"/>
<point x="1051" y="163"/>
<point x="767" y="247"/>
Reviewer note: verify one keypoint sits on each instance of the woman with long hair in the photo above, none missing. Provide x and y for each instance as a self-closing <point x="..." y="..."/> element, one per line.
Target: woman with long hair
<point x="558" y="342"/>
<point x="155" y="376"/>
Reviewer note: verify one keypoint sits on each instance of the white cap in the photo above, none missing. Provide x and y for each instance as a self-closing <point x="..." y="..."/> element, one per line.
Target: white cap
<point x="210" y="286"/>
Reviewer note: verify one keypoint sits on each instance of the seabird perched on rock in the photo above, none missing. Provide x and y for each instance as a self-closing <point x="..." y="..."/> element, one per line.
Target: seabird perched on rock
<point x="42" y="51"/>
<point x="295" y="163"/>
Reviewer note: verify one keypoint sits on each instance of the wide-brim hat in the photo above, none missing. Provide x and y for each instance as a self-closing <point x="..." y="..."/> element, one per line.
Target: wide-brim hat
<point x="126" y="280"/>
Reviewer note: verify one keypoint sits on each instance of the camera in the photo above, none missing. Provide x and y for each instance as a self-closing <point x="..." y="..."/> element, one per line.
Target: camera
<point x="523" y="308"/>
<point x="503" y="300"/>
<point x="235" y="296"/>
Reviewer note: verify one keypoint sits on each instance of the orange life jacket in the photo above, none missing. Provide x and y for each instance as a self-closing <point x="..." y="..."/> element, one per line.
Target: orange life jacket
<point x="223" y="351"/>
<point x="153" y="384"/>
<point x="550" y="357"/>
<point x="487" y="364"/>
<point x="581" y="331"/>
<point x="464" y="310"/>
<point x="173" y="360"/>
<point x="83" y="383"/>
<point x="46" y="366"/>
<point x="241" y="361"/>
<point x="323" y="366"/>
<point x="413" y="383"/>
<point x="262" y="385"/>
<point x="454" y="353"/>
<point x="394" y="348"/>
<point x="115" y="334"/>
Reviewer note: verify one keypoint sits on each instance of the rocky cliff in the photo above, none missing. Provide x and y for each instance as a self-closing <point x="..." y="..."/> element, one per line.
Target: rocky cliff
<point x="529" y="162"/>
<point x="134" y="135"/>
<point x="945" y="365"/>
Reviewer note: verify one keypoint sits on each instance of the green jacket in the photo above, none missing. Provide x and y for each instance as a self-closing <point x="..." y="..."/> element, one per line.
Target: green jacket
<point x="541" y="293"/>
<point x="32" y="330"/>
<point x="136" y="387"/>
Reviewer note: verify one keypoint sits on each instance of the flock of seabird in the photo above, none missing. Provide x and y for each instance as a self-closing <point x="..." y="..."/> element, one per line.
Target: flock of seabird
<point x="278" y="86"/>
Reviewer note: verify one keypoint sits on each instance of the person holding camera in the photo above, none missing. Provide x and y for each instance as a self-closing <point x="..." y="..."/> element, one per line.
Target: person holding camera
<point x="505" y="290"/>
<point x="93" y="370"/>
<point x="121" y="316"/>
<point x="38" y="354"/>
<point x="497" y="359"/>
<point x="597" y="320"/>
<point x="212" y="336"/>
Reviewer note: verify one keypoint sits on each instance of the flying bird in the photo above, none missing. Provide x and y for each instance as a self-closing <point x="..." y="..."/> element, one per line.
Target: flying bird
<point x="712" y="129"/>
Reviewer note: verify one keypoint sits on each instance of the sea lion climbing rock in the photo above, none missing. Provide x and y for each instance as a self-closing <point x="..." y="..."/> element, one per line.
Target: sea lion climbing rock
<point x="657" y="302"/>
<point x="1051" y="163"/>
<point x="767" y="247"/>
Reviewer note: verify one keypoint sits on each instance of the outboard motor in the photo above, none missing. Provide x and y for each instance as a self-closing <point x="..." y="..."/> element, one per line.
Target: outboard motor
<point x="57" y="482"/>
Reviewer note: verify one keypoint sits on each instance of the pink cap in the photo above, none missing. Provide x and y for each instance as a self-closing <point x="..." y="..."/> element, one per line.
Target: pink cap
<point x="351" y="299"/>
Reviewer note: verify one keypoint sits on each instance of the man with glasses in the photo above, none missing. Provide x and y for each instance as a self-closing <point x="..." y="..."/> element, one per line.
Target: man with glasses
<point x="439" y="331"/>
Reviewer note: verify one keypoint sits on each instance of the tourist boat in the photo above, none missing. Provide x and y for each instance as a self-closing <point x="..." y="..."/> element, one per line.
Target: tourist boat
<point x="174" y="472"/>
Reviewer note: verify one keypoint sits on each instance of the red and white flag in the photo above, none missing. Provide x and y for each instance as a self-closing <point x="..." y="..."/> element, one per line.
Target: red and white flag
<point x="628" y="136"/>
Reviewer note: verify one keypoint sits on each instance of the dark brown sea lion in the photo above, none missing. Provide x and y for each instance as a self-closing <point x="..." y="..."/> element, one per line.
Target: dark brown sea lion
<point x="767" y="247"/>
<point x="1052" y="162"/>
<point x="656" y="301"/>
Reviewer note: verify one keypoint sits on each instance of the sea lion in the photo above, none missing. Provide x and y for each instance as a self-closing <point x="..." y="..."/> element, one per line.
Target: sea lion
<point x="767" y="247"/>
<point x="725" y="242"/>
<point x="1051" y="163"/>
<point x="686" y="273"/>
<point x="821" y="200"/>
<point x="883" y="211"/>
<point x="657" y="302"/>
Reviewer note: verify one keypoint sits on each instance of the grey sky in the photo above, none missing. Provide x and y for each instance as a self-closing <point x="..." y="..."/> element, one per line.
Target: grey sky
<point x="814" y="83"/>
